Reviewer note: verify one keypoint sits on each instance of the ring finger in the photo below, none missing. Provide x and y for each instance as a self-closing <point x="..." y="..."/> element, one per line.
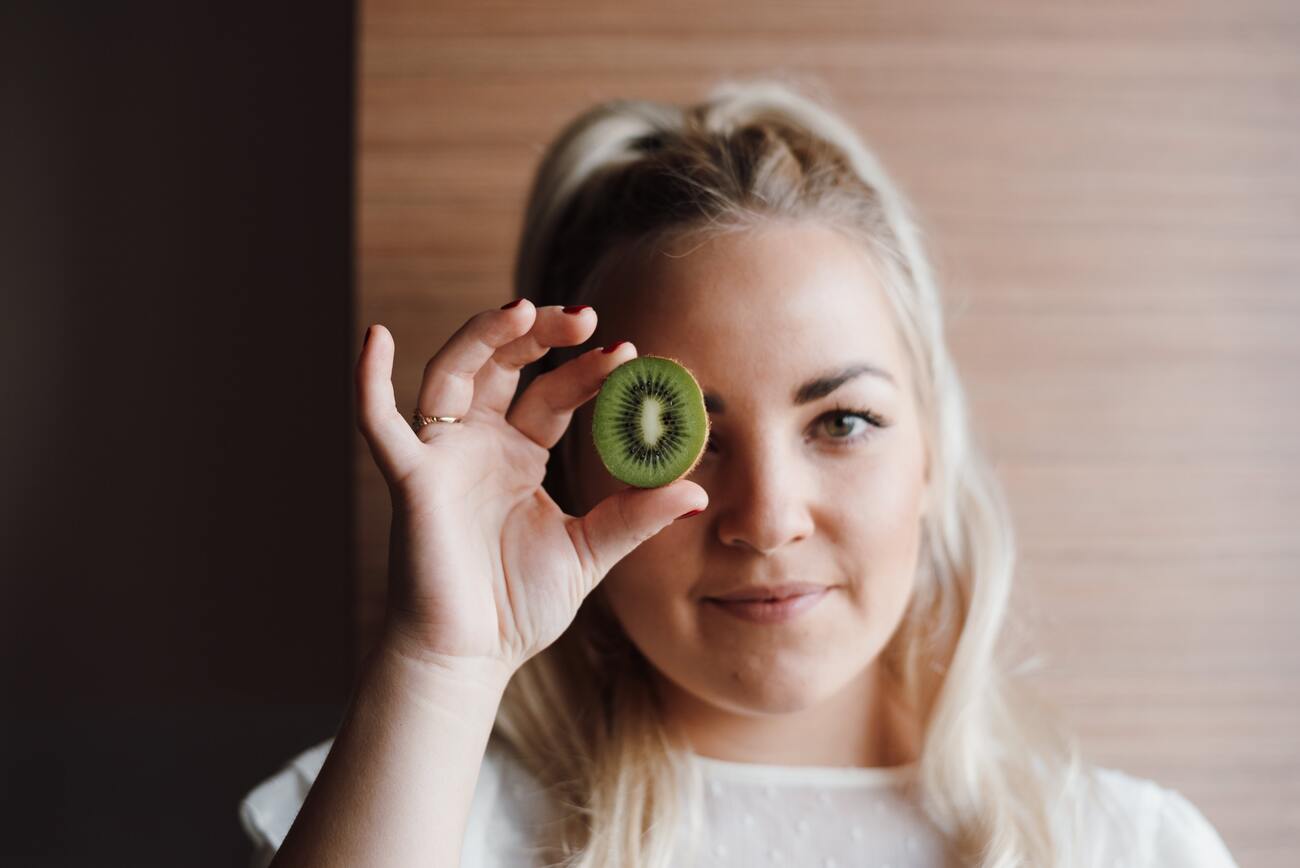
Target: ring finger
<point x="447" y="388"/>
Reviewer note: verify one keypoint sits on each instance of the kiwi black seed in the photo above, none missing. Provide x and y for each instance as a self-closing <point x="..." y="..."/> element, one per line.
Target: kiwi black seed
<point x="649" y="423"/>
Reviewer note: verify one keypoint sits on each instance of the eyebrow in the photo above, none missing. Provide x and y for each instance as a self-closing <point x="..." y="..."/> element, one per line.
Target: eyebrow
<point x="817" y="387"/>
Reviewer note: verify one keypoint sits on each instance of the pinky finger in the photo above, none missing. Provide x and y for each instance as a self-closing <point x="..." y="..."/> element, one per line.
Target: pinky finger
<point x="392" y="441"/>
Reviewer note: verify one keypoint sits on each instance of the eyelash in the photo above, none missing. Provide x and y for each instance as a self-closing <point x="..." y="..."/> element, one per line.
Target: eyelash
<point x="873" y="420"/>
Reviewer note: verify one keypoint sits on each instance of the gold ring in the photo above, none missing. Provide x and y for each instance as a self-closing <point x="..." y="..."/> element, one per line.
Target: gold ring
<point x="419" y="420"/>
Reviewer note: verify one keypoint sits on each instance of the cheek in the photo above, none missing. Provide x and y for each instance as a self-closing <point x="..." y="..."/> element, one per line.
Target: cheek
<point x="657" y="574"/>
<point x="879" y="527"/>
<point x="886" y="502"/>
<point x="649" y="592"/>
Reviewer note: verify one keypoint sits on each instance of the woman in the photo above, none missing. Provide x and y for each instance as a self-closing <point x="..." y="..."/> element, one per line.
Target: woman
<point x="566" y="675"/>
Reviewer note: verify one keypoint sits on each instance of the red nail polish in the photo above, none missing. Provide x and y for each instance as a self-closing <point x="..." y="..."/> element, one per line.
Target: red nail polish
<point x="576" y="308"/>
<point x="612" y="347"/>
<point x="511" y="304"/>
<point x="691" y="513"/>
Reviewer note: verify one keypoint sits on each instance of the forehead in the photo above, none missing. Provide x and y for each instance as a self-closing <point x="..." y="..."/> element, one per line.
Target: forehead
<point x="778" y="303"/>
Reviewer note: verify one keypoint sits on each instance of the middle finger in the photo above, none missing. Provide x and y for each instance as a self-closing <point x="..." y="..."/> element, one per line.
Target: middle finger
<point x="556" y="326"/>
<point x="545" y="409"/>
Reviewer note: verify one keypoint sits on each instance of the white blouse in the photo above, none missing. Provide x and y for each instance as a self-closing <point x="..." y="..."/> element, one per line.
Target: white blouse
<point x="767" y="815"/>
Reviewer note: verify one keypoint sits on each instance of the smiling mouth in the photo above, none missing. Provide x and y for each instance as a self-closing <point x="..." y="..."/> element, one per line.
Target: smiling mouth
<point x="762" y="599"/>
<point x="770" y="611"/>
<point x="770" y="593"/>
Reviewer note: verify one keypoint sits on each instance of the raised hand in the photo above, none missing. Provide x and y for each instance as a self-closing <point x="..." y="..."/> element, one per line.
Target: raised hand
<point x="484" y="566"/>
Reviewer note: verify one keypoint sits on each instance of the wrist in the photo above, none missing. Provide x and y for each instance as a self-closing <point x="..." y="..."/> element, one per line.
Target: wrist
<point x="421" y="669"/>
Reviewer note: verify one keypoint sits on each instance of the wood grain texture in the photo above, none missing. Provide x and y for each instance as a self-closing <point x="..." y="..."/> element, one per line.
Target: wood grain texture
<point x="1112" y="198"/>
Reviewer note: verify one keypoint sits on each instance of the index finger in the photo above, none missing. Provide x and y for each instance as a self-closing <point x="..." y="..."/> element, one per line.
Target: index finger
<point x="448" y="385"/>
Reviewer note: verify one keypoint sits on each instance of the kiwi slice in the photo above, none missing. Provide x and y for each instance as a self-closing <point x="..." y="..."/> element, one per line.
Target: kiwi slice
<point x="649" y="423"/>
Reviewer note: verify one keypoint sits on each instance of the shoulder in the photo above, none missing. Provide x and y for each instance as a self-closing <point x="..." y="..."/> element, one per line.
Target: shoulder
<point x="1152" y="825"/>
<point x="506" y="806"/>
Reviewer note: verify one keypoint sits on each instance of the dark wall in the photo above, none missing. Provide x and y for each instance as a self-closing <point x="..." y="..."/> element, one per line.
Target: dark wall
<point x="175" y="221"/>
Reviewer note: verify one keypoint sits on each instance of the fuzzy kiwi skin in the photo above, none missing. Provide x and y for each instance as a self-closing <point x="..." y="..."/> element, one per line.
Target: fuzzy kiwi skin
<point x="703" y="415"/>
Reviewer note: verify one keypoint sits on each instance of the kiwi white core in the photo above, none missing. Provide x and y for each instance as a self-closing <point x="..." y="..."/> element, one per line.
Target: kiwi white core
<point x="652" y="421"/>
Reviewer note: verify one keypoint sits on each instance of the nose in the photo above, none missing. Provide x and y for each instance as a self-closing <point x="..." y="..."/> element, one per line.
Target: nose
<point x="764" y="499"/>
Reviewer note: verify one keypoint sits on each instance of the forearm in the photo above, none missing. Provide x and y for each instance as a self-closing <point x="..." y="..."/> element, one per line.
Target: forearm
<point x="397" y="784"/>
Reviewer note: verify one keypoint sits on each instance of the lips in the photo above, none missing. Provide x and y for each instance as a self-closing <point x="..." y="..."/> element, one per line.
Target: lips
<point x="772" y="612"/>
<point x="770" y="592"/>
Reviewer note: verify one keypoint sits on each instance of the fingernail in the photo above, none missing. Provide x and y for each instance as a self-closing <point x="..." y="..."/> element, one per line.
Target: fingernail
<point x="576" y="308"/>
<point x="511" y="304"/>
<point x="689" y="514"/>
<point x="612" y="347"/>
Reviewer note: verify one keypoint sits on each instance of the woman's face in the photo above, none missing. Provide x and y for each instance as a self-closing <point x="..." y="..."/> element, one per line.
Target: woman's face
<point x="801" y="488"/>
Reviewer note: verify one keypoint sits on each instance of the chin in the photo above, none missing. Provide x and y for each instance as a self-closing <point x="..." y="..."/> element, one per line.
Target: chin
<point x="764" y="689"/>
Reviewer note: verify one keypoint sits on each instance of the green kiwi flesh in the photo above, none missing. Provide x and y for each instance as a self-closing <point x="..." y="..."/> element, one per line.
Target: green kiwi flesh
<point x="649" y="425"/>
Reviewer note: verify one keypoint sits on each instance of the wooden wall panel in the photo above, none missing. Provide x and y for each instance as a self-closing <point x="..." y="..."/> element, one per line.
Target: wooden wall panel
<point x="1113" y="200"/>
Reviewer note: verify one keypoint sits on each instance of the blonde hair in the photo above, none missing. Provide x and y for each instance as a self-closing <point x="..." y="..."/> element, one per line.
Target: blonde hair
<point x="998" y="774"/>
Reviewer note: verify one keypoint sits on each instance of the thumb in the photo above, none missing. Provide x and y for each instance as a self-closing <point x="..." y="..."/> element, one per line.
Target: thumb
<point x="622" y="521"/>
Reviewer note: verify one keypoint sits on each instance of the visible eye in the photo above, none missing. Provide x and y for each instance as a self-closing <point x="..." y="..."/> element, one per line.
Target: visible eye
<point x="846" y="425"/>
